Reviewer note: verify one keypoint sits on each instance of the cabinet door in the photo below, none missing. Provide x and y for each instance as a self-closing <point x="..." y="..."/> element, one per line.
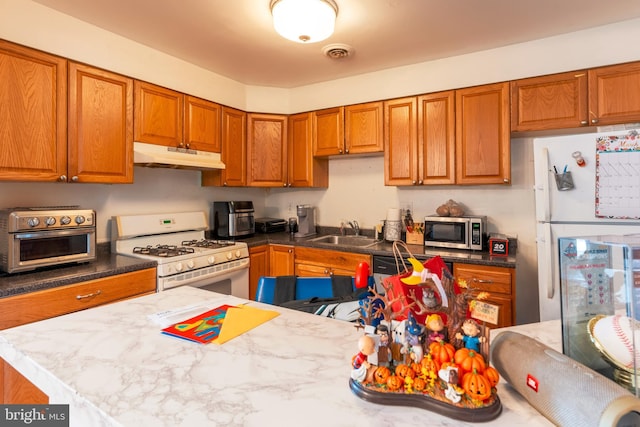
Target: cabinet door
<point x="258" y="267"/>
<point x="281" y="260"/>
<point x="202" y="125"/>
<point x="234" y="152"/>
<point x="363" y="127"/>
<point x="436" y="138"/>
<point x="613" y="94"/>
<point x="15" y="389"/>
<point x="266" y="150"/>
<point x="33" y="114"/>
<point x="304" y="170"/>
<point x="328" y="132"/>
<point x="401" y="141"/>
<point x="483" y="152"/>
<point x="100" y="126"/>
<point x="158" y="115"/>
<point x="549" y="102"/>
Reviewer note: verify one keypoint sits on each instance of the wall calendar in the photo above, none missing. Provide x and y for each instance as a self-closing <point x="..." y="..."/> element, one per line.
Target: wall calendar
<point x="618" y="176"/>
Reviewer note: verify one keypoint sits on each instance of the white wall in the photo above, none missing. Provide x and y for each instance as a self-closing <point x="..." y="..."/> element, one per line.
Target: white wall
<point x="356" y="188"/>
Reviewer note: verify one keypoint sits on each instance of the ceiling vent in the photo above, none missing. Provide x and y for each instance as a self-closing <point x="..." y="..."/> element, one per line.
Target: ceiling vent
<point x="338" y="51"/>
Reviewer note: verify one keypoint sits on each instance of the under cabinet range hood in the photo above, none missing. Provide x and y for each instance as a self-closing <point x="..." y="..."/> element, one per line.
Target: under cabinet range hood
<point x="159" y="156"/>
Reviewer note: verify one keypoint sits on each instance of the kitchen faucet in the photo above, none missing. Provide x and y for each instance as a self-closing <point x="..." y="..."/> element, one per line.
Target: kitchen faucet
<point x="355" y="226"/>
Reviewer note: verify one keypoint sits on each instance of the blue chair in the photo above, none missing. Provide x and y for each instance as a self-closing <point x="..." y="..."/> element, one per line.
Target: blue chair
<point x="306" y="288"/>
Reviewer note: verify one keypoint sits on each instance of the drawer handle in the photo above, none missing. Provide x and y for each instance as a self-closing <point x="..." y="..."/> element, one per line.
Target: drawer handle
<point x="94" y="294"/>
<point x="482" y="281"/>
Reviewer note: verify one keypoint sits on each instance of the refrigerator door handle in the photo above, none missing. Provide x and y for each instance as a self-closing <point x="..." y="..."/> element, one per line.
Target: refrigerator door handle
<point x="546" y="195"/>
<point x="548" y="262"/>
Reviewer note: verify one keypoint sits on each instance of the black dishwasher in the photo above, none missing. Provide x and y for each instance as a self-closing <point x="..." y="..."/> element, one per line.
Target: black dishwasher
<point x="385" y="266"/>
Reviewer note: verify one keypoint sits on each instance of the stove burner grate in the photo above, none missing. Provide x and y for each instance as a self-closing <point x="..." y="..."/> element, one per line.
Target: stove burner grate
<point x="206" y="243"/>
<point x="164" y="251"/>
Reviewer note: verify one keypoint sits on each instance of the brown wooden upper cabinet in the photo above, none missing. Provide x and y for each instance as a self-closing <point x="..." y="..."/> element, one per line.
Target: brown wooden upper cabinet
<point x="594" y="97"/>
<point x="173" y="119"/>
<point x="266" y="150"/>
<point x="279" y="152"/>
<point x="234" y="151"/>
<point x="33" y="115"/>
<point x="42" y="140"/>
<point x="420" y="140"/>
<point x="450" y="137"/>
<point x="354" y="129"/>
<point x="483" y="151"/>
<point x="100" y="126"/>
<point x="303" y="169"/>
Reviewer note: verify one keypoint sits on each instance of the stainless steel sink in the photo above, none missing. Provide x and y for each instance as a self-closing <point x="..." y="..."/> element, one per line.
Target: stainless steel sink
<point x="361" y="241"/>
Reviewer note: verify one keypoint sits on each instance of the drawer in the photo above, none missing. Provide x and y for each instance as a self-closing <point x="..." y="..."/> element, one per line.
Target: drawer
<point x="327" y="258"/>
<point x="485" y="278"/>
<point x="40" y="305"/>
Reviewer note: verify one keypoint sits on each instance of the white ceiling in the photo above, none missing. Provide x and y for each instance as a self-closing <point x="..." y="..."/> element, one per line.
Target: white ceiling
<point x="235" y="38"/>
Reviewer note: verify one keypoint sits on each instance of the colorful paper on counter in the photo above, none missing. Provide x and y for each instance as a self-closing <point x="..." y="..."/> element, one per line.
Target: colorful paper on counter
<point x="241" y="319"/>
<point x="220" y="324"/>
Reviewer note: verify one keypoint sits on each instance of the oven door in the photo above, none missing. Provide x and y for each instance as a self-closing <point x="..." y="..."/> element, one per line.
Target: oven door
<point x="28" y="251"/>
<point x="233" y="281"/>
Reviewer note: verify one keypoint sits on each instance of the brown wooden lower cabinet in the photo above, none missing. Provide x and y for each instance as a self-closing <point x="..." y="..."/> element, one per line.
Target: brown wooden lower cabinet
<point x="40" y="305"/>
<point x="499" y="282"/>
<point x="16" y="389"/>
<point x="325" y="262"/>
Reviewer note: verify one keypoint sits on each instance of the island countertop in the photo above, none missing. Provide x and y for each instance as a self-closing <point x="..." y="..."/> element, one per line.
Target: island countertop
<point x="113" y="367"/>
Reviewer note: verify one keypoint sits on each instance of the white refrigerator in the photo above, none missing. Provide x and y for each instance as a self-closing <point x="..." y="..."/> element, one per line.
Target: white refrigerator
<point x="576" y="212"/>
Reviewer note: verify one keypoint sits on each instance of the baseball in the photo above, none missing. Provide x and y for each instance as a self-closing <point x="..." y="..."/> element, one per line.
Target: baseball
<point x="618" y="335"/>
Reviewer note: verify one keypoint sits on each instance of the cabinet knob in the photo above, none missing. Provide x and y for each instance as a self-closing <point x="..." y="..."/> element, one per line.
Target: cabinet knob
<point x="63" y="178"/>
<point x="340" y="151"/>
<point x="290" y="250"/>
<point x="420" y="182"/>
<point x="188" y="145"/>
<point x="74" y="178"/>
<point x="414" y="182"/>
<point x="584" y="122"/>
<point x="284" y="184"/>
<point x="224" y="184"/>
<point x="506" y="180"/>
<point x="346" y="151"/>
<point x="594" y="121"/>
<point x="326" y="271"/>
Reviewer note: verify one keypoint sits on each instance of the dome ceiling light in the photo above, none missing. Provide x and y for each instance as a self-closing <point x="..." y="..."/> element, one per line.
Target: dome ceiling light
<point x="304" y="21"/>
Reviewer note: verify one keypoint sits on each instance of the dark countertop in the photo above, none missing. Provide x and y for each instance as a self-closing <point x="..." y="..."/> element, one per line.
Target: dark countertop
<point x="386" y="249"/>
<point x="106" y="265"/>
<point x="109" y="264"/>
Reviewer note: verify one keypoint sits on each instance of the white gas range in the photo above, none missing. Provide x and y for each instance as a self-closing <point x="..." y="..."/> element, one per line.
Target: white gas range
<point x="177" y="242"/>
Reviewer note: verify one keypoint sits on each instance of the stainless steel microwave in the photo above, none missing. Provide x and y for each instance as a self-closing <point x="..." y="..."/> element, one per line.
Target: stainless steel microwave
<point x="465" y="232"/>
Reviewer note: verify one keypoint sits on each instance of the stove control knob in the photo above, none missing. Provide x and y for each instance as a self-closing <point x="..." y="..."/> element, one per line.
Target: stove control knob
<point x="33" y="222"/>
<point x="238" y="253"/>
<point x="50" y="220"/>
<point x="211" y="259"/>
<point x="65" y="220"/>
<point x="80" y="219"/>
<point x="191" y="264"/>
<point x="179" y="266"/>
<point x="229" y="255"/>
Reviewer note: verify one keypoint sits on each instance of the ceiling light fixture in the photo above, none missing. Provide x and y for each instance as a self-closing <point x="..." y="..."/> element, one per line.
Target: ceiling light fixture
<point x="304" y="21"/>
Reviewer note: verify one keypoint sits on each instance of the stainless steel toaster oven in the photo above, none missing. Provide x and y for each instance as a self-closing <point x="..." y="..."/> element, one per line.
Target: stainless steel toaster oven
<point x="41" y="237"/>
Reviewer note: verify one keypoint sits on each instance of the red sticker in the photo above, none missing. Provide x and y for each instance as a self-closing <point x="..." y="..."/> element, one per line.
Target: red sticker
<point x="532" y="382"/>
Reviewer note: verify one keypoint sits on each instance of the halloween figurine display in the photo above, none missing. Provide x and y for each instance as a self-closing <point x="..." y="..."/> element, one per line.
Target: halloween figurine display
<point x="450" y="377"/>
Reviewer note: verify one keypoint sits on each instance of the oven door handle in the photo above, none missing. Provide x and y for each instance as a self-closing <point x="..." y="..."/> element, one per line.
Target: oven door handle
<point x="53" y="233"/>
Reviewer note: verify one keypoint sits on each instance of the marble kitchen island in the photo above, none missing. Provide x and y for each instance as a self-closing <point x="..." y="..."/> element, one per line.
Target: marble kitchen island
<point x="113" y="367"/>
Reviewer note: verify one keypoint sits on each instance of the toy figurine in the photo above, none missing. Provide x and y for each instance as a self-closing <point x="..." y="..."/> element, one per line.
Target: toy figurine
<point x="435" y="326"/>
<point x="450" y="376"/>
<point x="414" y="340"/>
<point x="360" y="364"/>
<point x="471" y="335"/>
<point x="384" y="351"/>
